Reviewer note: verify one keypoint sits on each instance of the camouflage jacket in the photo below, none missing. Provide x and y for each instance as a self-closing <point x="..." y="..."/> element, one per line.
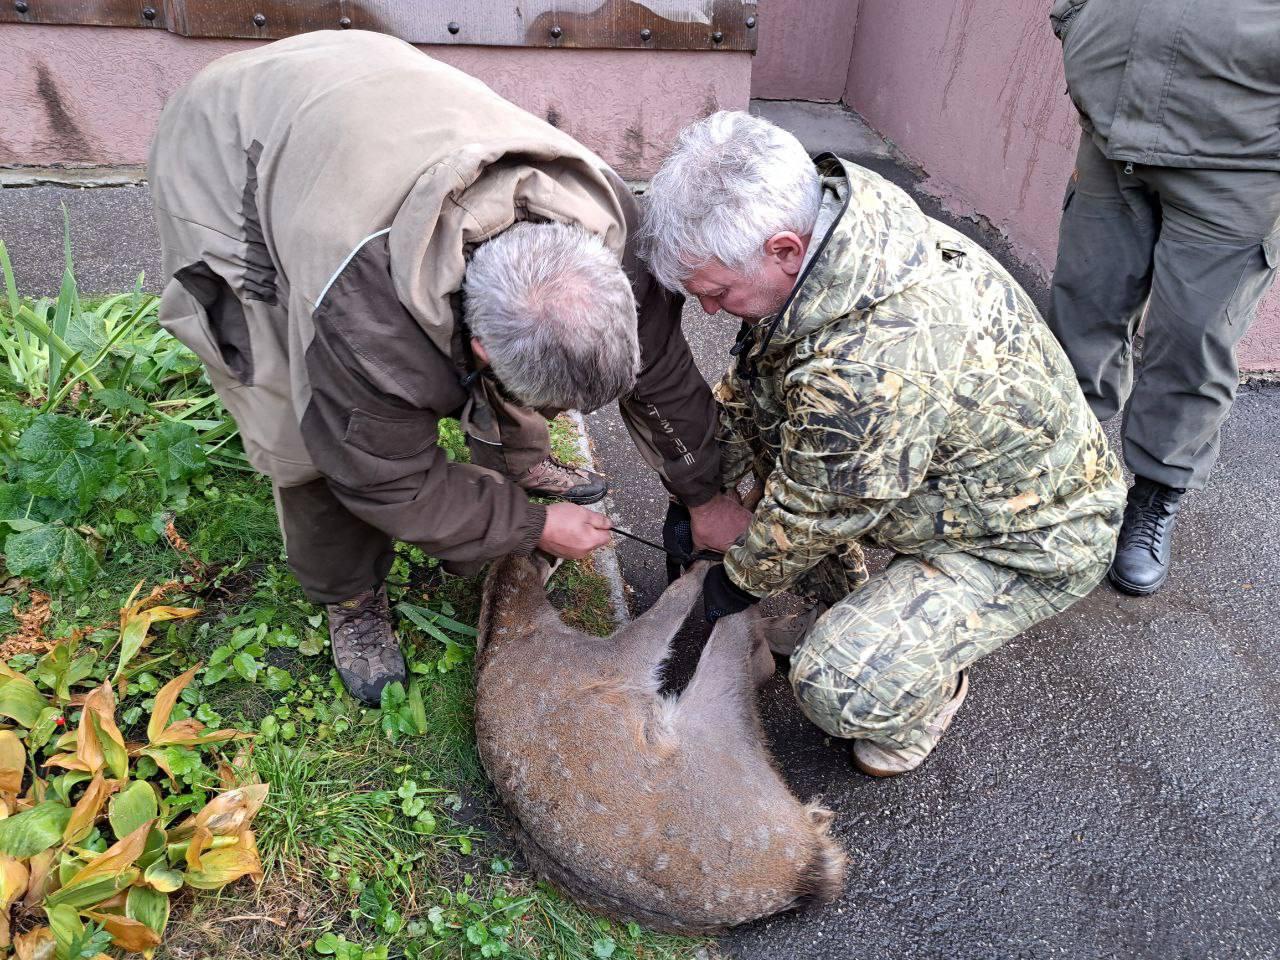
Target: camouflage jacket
<point x="909" y="396"/>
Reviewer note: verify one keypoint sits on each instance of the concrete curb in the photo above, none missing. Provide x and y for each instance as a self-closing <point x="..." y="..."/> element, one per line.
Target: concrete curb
<point x="605" y="559"/>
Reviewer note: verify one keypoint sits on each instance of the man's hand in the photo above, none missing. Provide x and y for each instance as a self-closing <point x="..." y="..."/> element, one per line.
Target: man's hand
<point x="719" y="522"/>
<point x="572" y="532"/>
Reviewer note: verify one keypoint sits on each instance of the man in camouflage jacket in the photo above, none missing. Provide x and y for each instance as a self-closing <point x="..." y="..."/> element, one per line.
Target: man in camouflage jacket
<point x="902" y="392"/>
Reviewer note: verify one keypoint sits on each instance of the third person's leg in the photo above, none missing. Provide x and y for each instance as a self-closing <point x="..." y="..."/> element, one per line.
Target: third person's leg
<point x="1102" y="276"/>
<point x="1214" y="260"/>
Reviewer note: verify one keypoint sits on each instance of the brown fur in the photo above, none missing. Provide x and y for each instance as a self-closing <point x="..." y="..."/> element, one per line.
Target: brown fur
<point x="667" y="811"/>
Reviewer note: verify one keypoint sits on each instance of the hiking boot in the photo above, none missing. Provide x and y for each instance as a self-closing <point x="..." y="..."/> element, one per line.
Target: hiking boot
<point x="364" y="645"/>
<point x="1141" y="564"/>
<point x="880" y="761"/>
<point x="559" y="481"/>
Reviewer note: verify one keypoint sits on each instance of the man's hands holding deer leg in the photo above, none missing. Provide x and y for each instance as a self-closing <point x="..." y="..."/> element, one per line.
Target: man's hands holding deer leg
<point x="719" y="522"/>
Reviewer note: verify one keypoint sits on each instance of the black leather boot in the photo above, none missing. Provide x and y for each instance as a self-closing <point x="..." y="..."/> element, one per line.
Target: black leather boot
<point x="1146" y="537"/>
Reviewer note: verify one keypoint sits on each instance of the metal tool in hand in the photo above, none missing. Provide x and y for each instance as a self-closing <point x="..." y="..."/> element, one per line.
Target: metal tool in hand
<point x="631" y="536"/>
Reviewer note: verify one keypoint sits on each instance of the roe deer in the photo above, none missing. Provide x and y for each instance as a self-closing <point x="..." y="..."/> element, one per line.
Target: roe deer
<point x="664" y="810"/>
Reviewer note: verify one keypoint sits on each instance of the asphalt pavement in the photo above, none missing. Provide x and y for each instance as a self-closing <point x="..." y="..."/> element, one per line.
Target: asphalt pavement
<point x="1109" y="790"/>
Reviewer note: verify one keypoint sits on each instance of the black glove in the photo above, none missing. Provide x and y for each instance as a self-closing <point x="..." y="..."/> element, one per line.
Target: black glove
<point x="677" y="533"/>
<point x="721" y="596"/>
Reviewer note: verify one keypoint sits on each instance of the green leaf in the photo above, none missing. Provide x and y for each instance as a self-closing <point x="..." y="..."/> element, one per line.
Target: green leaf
<point x="417" y="709"/>
<point x="327" y="944"/>
<point x="117" y="401"/>
<point x="115" y="755"/>
<point x="176" y="451"/>
<point x="16" y="504"/>
<point x="150" y="907"/>
<point x="161" y="876"/>
<point x="278" y="680"/>
<point x="42" y="730"/>
<point x="67" y="929"/>
<point x="603" y="947"/>
<point x="51" y="552"/>
<point x="131" y="639"/>
<point x="93" y="891"/>
<point x="132" y="808"/>
<point x="21" y="701"/>
<point x="33" y="831"/>
<point x="63" y="458"/>
<point x="246" y="666"/>
<point x="311" y="645"/>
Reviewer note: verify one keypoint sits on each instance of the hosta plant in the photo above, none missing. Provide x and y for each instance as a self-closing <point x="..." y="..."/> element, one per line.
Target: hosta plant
<point x="98" y="830"/>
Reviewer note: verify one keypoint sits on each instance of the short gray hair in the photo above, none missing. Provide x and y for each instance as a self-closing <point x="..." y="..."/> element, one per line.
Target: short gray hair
<point x="556" y="315"/>
<point x="731" y="182"/>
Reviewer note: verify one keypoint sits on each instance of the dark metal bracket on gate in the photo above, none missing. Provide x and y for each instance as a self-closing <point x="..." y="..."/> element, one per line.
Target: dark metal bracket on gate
<point x="592" y="24"/>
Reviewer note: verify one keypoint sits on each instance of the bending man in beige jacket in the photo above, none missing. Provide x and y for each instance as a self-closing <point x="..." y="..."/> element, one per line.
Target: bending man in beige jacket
<point x="359" y="240"/>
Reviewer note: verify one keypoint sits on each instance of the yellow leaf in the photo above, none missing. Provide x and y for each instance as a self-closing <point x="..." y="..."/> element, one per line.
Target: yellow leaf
<point x="14" y="877"/>
<point x="86" y="811"/>
<point x="115" y="859"/>
<point x="165" y="700"/>
<point x="13" y="762"/>
<point x="37" y="944"/>
<point x="13" y="883"/>
<point x="71" y="761"/>
<point x="41" y="866"/>
<point x="227" y="814"/>
<point x="126" y="934"/>
<point x="100" y="708"/>
<point x="202" y="838"/>
<point x="220" y="867"/>
<point x="189" y="733"/>
<point x="159" y="614"/>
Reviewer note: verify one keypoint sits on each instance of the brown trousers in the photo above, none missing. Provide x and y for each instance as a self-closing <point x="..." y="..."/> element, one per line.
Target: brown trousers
<point x="336" y="555"/>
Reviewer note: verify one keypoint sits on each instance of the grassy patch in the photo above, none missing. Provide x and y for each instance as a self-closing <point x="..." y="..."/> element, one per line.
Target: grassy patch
<point x="376" y="843"/>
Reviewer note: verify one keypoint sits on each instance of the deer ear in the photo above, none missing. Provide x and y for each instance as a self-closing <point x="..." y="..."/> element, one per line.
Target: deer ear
<point x="820" y="817"/>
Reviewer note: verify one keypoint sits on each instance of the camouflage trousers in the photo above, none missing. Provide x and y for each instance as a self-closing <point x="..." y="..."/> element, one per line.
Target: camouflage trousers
<point x="881" y="661"/>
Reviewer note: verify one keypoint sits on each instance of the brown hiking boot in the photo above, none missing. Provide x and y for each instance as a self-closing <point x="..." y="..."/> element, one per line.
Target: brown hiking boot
<point x="881" y="761"/>
<point x="364" y="645"/>
<point x="559" y="481"/>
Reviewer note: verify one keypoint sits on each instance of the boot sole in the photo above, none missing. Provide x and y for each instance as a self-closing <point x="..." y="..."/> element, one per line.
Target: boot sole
<point x="1124" y="586"/>
<point x="580" y="500"/>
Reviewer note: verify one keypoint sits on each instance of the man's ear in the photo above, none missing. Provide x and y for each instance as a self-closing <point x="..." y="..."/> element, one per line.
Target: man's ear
<point x="477" y="349"/>
<point x="788" y="250"/>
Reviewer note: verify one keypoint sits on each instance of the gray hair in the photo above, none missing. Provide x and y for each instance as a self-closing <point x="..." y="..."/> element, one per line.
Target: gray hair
<point x="555" y="313"/>
<point x="731" y="182"/>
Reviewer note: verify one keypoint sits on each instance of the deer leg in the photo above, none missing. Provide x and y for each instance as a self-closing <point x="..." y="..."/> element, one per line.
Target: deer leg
<point x="720" y="699"/>
<point x="639" y="648"/>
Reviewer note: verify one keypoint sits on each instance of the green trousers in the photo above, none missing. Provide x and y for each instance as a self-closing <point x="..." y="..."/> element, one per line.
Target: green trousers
<point x="1196" y="249"/>
<point x="883" y="659"/>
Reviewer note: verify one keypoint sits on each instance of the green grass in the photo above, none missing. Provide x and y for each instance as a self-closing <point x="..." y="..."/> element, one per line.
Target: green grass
<point x="394" y="844"/>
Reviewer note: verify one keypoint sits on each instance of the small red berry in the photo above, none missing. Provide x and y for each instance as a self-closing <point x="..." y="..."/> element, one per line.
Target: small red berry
<point x="60" y="722"/>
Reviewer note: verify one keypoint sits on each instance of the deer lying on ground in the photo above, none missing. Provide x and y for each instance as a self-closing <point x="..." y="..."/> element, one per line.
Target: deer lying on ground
<point x="663" y="810"/>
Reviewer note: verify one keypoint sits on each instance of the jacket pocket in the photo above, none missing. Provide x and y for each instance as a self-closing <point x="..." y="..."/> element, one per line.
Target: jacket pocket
<point x="1061" y="15"/>
<point x="388" y="439"/>
<point x="224" y="316"/>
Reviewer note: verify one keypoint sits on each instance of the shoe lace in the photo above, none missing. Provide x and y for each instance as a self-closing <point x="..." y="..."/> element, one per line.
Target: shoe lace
<point x="361" y="631"/>
<point x="553" y="469"/>
<point x="1145" y="519"/>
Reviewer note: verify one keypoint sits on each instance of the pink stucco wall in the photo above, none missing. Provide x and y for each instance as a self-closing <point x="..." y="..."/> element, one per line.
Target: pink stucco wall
<point x="803" y="49"/>
<point x="78" y="95"/>
<point x="973" y="91"/>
